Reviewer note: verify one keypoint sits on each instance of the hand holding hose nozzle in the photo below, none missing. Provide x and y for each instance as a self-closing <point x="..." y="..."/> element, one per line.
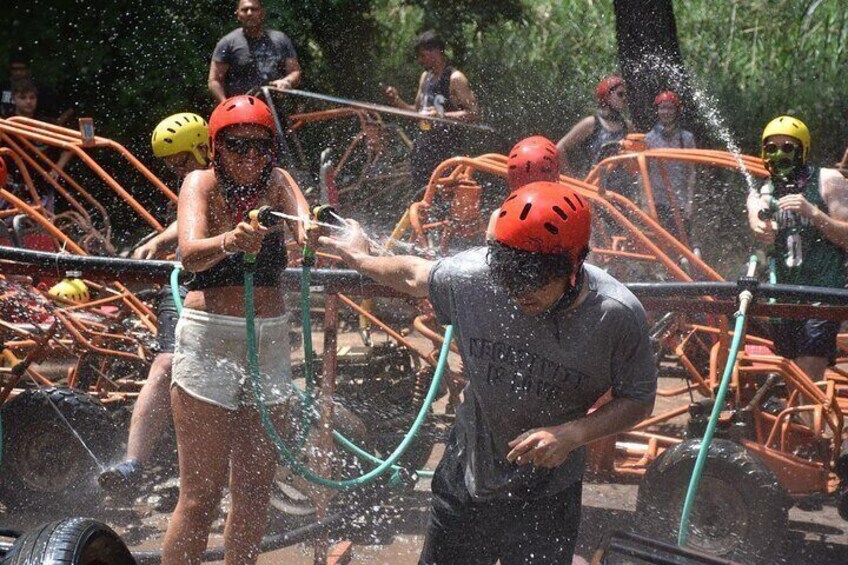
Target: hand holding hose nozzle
<point x="253" y="232"/>
<point x="323" y="218"/>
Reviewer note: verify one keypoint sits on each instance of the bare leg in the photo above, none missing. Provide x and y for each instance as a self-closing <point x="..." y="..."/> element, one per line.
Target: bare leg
<point x="254" y="462"/>
<point x="152" y="410"/>
<point x="203" y="443"/>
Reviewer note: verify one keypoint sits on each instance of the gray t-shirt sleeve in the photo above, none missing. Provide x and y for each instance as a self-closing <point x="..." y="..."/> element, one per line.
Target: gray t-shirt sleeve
<point x="223" y="50"/>
<point x="634" y="370"/>
<point x="285" y="45"/>
<point x="440" y="293"/>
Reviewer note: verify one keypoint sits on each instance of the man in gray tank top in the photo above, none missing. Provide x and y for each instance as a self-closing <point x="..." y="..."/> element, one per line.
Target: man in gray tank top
<point x="542" y="338"/>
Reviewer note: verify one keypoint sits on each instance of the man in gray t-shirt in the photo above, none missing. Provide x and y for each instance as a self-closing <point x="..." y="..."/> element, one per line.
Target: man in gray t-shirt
<point x="252" y="56"/>
<point x="542" y="338"/>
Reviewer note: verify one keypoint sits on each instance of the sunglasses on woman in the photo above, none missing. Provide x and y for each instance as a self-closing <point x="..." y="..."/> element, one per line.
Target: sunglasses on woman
<point x="243" y="145"/>
<point x="785" y="147"/>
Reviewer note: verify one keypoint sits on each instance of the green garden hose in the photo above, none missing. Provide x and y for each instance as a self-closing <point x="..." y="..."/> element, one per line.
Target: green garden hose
<point x="745" y="298"/>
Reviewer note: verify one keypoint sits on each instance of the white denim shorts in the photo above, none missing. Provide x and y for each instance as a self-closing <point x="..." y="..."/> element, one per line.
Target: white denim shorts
<point x="210" y="359"/>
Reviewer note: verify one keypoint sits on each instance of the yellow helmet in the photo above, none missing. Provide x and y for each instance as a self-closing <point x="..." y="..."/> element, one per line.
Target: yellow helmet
<point x="182" y="132"/>
<point x="787" y="125"/>
<point x="72" y="289"/>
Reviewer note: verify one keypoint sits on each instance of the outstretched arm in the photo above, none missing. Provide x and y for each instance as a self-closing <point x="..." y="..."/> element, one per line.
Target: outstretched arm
<point x="403" y="273"/>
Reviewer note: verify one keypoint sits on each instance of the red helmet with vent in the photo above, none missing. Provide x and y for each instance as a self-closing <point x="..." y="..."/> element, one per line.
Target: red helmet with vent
<point x="545" y="217"/>
<point x="602" y="91"/>
<point x="4" y="173"/>
<point x="532" y="159"/>
<point x="239" y="110"/>
<point x="667" y="96"/>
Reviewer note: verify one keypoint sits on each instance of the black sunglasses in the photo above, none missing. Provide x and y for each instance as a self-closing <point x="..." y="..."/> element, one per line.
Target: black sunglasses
<point x="786" y="147"/>
<point x="243" y="145"/>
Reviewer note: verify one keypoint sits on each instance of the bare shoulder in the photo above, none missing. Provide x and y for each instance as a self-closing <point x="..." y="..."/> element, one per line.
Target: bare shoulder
<point x="199" y="183"/>
<point x="833" y="184"/>
<point x="458" y="75"/>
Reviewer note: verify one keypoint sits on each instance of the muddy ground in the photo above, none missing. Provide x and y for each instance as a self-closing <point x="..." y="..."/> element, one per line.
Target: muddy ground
<point x="390" y="530"/>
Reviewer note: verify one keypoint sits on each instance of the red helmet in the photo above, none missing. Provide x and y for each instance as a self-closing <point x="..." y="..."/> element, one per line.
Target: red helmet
<point x="532" y="159"/>
<point x="239" y="110"/>
<point x="4" y="173"/>
<point x="667" y="96"/>
<point x="604" y="87"/>
<point x="545" y="217"/>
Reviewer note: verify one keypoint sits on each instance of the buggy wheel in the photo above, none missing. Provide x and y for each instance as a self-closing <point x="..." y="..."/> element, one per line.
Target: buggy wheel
<point x="72" y="541"/>
<point x="740" y="512"/>
<point x="45" y="463"/>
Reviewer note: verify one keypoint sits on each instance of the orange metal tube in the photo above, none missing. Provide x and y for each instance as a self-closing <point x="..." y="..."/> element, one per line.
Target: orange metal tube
<point x="92" y="164"/>
<point x="42" y="221"/>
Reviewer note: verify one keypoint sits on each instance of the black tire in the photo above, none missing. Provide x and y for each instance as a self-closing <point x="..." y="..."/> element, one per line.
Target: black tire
<point x="741" y="510"/>
<point x="72" y="541"/>
<point x="44" y="464"/>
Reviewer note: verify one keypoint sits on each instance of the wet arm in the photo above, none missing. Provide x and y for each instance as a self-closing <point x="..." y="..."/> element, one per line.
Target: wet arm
<point x="464" y="98"/>
<point x="198" y="250"/>
<point x="616" y="416"/>
<point x="834" y="225"/>
<point x="217" y="74"/>
<point x="403" y="273"/>
<point x="578" y="134"/>
<point x="165" y="240"/>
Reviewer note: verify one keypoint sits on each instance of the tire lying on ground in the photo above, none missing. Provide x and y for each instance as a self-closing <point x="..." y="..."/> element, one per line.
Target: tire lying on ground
<point x="72" y="541"/>
<point x="740" y="511"/>
<point x="45" y="464"/>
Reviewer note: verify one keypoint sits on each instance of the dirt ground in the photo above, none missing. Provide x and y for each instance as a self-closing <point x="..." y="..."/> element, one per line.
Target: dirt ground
<point x="391" y="530"/>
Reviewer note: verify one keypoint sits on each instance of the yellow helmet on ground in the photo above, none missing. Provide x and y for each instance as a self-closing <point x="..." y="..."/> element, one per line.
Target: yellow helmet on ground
<point x="787" y="125"/>
<point x="72" y="289"/>
<point x="182" y="132"/>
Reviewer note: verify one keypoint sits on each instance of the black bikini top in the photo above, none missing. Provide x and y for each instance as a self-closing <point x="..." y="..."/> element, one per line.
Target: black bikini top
<point x="270" y="264"/>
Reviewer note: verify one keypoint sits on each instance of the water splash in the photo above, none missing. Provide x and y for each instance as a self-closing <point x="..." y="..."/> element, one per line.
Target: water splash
<point x="707" y="106"/>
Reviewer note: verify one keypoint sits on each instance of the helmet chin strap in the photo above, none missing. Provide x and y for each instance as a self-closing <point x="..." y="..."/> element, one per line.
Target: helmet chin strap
<point x="572" y="292"/>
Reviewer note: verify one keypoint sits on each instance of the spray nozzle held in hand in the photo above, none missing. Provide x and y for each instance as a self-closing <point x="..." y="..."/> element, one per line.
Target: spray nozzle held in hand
<point x="264" y="217"/>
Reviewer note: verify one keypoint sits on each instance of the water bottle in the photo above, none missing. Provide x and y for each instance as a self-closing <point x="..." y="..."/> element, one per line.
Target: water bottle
<point x="794" y="249"/>
<point x="424" y="125"/>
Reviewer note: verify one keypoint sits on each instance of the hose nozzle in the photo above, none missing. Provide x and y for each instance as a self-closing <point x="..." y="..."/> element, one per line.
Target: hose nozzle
<point x="264" y="217"/>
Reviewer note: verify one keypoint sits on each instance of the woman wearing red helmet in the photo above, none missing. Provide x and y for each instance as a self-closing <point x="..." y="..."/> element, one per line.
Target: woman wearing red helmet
<point x="672" y="182"/>
<point x="542" y="337"/>
<point x="219" y="434"/>
<point x="607" y="125"/>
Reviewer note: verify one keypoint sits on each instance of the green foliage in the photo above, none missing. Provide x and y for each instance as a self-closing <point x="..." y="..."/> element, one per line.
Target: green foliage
<point x="533" y="63"/>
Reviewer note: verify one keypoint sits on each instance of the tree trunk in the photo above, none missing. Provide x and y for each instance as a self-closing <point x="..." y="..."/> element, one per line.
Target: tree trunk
<point x="649" y="58"/>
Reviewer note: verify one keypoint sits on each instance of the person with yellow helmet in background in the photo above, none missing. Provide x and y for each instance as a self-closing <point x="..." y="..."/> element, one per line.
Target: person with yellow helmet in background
<point x="182" y="142"/>
<point x="801" y="215"/>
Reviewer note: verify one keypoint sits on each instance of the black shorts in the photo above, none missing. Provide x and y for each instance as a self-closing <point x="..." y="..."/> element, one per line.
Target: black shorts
<point x="805" y="338"/>
<point x="167" y="317"/>
<point x="462" y="531"/>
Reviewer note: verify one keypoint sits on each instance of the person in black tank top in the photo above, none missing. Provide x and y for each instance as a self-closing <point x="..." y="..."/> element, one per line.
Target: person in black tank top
<point x="442" y="91"/>
<point x="595" y="133"/>
<point x="801" y="217"/>
<point x="219" y="435"/>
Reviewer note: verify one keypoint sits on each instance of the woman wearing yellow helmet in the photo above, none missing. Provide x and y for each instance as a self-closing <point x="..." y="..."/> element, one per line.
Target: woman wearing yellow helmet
<point x="182" y="142"/>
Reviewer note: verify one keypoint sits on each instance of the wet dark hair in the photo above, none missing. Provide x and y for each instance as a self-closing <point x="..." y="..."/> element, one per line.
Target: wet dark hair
<point x="19" y="56"/>
<point x="517" y="271"/>
<point x="24" y="87"/>
<point x="428" y="40"/>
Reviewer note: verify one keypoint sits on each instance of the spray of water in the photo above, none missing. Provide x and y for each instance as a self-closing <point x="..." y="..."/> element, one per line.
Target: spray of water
<point x="707" y="106"/>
